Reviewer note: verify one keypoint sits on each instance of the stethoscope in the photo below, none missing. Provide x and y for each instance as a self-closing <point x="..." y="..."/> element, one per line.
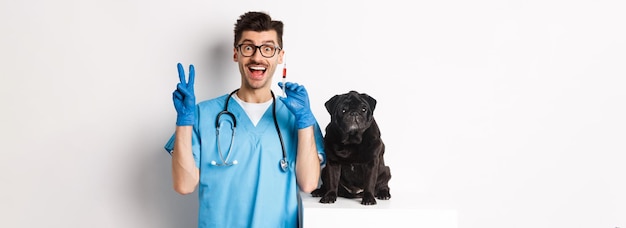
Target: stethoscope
<point x="283" y="162"/>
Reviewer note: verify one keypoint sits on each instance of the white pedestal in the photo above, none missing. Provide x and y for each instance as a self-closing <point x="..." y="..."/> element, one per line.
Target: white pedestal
<point x="396" y="212"/>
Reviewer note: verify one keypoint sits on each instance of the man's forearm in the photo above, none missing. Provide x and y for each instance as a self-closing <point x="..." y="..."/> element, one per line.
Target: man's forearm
<point x="308" y="162"/>
<point x="185" y="174"/>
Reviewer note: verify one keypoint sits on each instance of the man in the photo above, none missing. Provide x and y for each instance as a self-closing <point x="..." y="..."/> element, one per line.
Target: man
<point x="248" y="154"/>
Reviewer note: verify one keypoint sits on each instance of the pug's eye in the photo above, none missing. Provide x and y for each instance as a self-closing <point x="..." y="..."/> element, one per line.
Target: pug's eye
<point x="343" y="111"/>
<point x="364" y="109"/>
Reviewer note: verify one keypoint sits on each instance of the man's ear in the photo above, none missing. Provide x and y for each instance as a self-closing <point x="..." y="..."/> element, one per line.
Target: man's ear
<point x="281" y="56"/>
<point x="235" y="56"/>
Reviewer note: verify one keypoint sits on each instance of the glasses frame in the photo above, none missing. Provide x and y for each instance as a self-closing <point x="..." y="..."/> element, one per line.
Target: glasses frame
<point x="276" y="49"/>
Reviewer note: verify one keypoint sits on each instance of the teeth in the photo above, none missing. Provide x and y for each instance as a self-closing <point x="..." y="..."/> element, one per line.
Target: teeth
<point x="257" y="68"/>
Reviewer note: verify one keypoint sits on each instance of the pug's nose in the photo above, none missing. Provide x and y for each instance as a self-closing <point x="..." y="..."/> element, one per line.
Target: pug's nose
<point x="354" y="114"/>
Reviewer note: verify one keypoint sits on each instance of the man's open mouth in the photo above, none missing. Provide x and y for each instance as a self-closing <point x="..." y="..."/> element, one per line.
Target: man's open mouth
<point x="257" y="71"/>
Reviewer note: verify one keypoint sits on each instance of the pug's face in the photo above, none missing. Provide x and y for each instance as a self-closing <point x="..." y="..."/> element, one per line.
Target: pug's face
<point x="352" y="113"/>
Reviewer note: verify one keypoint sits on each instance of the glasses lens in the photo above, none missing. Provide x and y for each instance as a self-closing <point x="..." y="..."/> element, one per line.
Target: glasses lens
<point x="267" y="50"/>
<point x="247" y="49"/>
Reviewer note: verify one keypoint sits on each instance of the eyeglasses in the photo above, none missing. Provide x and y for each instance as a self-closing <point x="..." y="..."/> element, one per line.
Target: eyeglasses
<point x="266" y="50"/>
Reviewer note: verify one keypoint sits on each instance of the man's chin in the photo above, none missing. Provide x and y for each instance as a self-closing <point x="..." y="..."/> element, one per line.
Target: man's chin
<point x="257" y="84"/>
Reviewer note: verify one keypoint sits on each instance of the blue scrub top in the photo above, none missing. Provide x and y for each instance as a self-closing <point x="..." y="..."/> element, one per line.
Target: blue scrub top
<point x="255" y="192"/>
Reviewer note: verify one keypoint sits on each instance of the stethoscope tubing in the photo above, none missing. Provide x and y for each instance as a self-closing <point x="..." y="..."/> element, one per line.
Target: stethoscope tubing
<point x="283" y="162"/>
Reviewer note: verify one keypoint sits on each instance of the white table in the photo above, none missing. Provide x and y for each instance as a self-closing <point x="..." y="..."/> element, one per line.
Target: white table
<point x="399" y="211"/>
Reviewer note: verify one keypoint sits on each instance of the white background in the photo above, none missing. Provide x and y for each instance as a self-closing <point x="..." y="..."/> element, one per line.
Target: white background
<point x="510" y="112"/>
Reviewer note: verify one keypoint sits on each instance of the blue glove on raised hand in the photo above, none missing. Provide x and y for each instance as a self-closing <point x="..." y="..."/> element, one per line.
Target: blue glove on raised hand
<point x="184" y="98"/>
<point x="297" y="101"/>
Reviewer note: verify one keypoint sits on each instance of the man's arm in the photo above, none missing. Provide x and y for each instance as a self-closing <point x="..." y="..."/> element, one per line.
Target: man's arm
<point x="307" y="161"/>
<point x="185" y="174"/>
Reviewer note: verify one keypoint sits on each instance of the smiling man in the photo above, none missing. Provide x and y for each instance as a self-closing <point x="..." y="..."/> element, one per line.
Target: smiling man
<point x="251" y="176"/>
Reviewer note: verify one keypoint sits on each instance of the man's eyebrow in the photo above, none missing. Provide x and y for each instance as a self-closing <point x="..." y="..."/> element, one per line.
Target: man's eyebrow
<point x="264" y="42"/>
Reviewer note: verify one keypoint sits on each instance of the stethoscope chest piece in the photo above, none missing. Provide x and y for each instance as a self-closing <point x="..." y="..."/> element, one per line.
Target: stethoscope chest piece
<point x="284" y="165"/>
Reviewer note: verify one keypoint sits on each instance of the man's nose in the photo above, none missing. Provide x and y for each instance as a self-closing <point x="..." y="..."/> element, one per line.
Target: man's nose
<point x="257" y="53"/>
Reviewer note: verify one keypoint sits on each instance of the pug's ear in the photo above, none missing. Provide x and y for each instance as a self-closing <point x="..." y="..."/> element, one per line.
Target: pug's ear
<point x="370" y="100"/>
<point x="331" y="104"/>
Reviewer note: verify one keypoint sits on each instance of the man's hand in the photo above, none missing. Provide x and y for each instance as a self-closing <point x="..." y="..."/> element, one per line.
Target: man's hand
<point x="184" y="98"/>
<point x="297" y="101"/>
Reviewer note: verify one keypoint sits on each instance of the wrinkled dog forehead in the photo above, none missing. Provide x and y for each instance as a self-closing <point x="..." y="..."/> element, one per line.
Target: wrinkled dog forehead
<point x="352" y="99"/>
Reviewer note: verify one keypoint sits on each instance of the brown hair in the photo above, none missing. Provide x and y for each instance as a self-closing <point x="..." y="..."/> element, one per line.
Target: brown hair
<point x="258" y="22"/>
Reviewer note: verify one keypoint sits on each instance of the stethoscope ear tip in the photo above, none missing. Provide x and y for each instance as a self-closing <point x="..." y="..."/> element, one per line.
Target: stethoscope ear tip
<point x="235" y="162"/>
<point x="284" y="164"/>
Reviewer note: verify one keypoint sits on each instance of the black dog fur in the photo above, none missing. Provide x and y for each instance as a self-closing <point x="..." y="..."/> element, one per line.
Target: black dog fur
<point x="355" y="167"/>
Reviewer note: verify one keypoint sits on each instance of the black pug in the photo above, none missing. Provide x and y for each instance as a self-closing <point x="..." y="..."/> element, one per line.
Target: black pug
<point x="354" y="150"/>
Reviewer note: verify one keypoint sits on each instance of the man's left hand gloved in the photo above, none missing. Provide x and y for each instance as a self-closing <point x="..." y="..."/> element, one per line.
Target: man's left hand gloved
<point x="297" y="101"/>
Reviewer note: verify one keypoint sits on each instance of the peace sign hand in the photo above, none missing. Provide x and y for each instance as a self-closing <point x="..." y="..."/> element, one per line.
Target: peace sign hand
<point x="184" y="98"/>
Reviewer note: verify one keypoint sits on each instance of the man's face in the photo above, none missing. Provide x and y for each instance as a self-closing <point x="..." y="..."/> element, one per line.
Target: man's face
<point x="256" y="69"/>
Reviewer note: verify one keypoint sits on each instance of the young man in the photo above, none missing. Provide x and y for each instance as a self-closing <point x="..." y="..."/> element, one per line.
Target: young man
<point x="248" y="154"/>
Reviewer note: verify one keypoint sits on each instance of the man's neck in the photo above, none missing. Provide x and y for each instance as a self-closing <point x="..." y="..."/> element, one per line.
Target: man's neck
<point x="255" y="95"/>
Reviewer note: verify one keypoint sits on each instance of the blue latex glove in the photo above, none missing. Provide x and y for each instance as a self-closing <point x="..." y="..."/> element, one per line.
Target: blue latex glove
<point x="297" y="101"/>
<point x="184" y="98"/>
